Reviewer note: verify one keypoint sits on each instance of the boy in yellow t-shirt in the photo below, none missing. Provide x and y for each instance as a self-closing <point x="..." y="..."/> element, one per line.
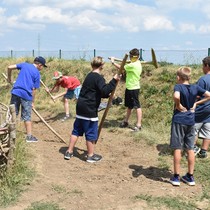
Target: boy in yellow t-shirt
<point x="133" y="72"/>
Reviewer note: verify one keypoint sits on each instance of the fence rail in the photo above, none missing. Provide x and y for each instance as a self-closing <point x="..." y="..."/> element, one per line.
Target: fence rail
<point x="181" y="57"/>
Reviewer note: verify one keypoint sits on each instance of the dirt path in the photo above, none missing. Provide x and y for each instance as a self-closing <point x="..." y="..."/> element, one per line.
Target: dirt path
<point x="128" y="169"/>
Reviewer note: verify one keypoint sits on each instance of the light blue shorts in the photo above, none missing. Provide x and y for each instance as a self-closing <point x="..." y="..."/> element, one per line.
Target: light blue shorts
<point x="73" y="93"/>
<point x="202" y="130"/>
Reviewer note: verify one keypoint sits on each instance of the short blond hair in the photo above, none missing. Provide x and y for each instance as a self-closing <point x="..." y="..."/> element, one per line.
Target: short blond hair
<point x="97" y="62"/>
<point x="184" y="73"/>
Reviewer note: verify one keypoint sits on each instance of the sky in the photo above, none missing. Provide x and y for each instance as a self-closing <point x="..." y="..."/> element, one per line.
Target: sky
<point x="104" y="24"/>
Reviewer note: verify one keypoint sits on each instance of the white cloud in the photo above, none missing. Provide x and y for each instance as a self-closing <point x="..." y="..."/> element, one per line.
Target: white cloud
<point x="153" y="23"/>
<point x="204" y="29"/>
<point x="187" y="27"/>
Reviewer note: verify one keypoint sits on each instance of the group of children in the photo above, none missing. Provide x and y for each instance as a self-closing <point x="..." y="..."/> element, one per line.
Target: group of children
<point x="187" y="106"/>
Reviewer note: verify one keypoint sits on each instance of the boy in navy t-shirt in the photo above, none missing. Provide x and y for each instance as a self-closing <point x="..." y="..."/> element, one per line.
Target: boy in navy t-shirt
<point x="183" y="121"/>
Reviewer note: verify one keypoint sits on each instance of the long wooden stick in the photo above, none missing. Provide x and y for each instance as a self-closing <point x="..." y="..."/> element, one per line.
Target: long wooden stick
<point x="111" y="96"/>
<point x="51" y="96"/>
<point x="42" y="119"/>
<point x="153" y="62"/>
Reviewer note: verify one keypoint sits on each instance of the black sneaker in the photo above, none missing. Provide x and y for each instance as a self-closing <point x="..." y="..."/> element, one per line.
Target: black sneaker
<point x="188" y="180"/>
<point x="68" y="155"/>
<point x="94" y="158"/>
<point x="202" y="154"/>
<point x="124" y="124"/>
<point x="31" y="138"/>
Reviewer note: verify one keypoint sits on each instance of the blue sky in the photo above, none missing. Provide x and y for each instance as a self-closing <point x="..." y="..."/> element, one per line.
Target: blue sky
<point x="104" y="24"/>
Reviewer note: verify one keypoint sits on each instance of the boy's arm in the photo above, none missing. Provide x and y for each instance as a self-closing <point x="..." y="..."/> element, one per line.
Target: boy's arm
<point x="178" y="105"/>
<point x="207" y="98"/>
<point x="60" y="95"/>
<point x="9" y="72"/>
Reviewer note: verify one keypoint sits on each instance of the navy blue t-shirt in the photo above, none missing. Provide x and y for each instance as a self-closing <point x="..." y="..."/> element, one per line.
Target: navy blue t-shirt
<point x="202" y="112"/>
<point x="188" y="95"/>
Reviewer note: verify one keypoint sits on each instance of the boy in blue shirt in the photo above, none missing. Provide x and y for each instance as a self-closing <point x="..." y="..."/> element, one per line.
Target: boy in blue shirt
<point x="23" y="91"/>
<point x="183" y="124"/>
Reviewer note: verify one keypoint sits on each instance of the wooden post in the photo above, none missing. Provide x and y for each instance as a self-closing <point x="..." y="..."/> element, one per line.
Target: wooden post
<point x="111" y="96"/>
<point x="12" y="134"/>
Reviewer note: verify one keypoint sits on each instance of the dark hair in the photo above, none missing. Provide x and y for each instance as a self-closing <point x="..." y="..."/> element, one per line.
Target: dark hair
<point x="134" y="52"/>
<point x="206" y="61"/>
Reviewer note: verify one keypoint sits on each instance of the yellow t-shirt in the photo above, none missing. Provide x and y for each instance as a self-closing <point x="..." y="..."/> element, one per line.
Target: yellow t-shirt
<point x="133" y="75"/>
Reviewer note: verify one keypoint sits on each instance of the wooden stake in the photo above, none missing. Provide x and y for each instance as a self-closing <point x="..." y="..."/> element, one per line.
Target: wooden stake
<point x="42" y="119"/>
<point x="111" y="96"/>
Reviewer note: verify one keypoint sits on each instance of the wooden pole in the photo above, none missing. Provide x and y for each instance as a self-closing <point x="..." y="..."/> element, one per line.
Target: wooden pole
<point x="111" y="96"/>
<point x="42" y="119"/>
<point x="51" y="96"/>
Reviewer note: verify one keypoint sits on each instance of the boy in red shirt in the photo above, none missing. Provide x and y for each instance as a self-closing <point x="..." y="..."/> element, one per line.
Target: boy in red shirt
<point x="72" y="86"/>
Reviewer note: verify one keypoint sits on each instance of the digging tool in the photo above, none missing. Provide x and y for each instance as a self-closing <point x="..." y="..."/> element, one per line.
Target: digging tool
<point x="42" y="119"/>
<point x="111" y="96"/>
<point x="51" y="96"/>
<point x="153" y="62"/>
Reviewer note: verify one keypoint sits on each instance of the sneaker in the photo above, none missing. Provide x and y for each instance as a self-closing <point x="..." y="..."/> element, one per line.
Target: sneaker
<point x="31" y="139"/>
<point x="65" y="118"/>
<point x="196" y="150"/>
<point x="94" y="158"/>
<point x="124" y="124"/>
<point x="68" y="155"/>
<point x="136" y="128"/>
<point x="175" y="181"/>
<point x="202" y="154"/>
<point x="188" y="180"/>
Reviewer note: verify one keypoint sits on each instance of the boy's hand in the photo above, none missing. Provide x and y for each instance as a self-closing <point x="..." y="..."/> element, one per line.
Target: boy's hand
<point x="193" y="108"/>
<point x="117" y="76"/>
<point x="181" y="108"/>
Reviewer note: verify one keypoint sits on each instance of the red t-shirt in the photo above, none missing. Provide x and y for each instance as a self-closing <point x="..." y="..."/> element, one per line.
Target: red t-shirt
<point x="69" y="82"/>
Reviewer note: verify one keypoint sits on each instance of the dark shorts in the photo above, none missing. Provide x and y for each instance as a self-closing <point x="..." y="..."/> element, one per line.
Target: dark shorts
<point x="87" y="127"/>
<point x="132" y="99"/>
<point x="26" y="107"/>
<point x="182" y="136"/>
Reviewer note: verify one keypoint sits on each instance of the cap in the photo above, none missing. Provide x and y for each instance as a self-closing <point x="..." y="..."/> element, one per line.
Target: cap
<point x="41" y="60"/>
<point x="57" y="75"/>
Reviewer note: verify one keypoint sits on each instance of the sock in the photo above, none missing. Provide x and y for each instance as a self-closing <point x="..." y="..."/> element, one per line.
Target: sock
<point x="189" y="175"/>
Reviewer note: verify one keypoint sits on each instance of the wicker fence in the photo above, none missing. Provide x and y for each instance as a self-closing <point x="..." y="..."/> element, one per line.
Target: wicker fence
<point x="7" y="134"/>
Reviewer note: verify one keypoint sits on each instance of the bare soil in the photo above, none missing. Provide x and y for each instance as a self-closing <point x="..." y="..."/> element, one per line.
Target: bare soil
<point x="128" y="169"/>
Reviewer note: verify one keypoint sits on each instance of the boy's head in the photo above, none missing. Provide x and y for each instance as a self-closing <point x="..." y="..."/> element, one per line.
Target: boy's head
<point x="97" y="62"/>
<point x="184" y="73"/>
<point x="57" y="75"/>
<point x="40" y="62"/>
<point x="206" y="61"/>
<point x="134" y="54"/>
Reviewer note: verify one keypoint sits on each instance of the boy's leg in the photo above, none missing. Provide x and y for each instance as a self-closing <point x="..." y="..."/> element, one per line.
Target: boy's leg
<point x="66" y="106"/>
<point x="128" y="114"/>
<point x="90" y="147"/>
<point x="72" y="142"/>
<point x="191" y="161"/>
<point x="139" y="117"/>
<point x="177" y="160"/>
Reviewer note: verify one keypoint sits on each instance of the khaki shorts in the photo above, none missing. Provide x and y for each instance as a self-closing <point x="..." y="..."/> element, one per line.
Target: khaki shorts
<point x="202" y="130"/>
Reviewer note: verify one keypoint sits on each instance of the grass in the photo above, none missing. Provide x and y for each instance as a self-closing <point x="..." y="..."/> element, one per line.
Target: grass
<point x="157" y="105"/>
<point x="14" y="179"/>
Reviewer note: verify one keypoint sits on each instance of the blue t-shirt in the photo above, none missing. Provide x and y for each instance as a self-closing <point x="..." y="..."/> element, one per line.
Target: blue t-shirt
<point x="188" y="95"/>
<point x="202" y="112"/>
<point x="27" y="80"/>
